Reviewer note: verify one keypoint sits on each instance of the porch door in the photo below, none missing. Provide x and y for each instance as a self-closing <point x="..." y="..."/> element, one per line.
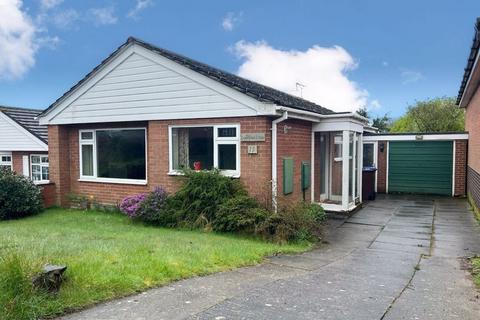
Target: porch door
<point x="336" y="140"/>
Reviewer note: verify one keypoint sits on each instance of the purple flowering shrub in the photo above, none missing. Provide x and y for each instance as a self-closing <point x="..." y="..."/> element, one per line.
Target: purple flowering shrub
<point x="149" y="207"/>
<point x="130" y="205"/>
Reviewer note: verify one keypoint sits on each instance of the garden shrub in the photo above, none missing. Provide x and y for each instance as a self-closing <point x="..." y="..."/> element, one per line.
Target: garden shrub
<point x="131" y="205"/>
<point x="18" y="299"/>
<point x="297" y="222"/>
<point x="200" y="196"/>
<point x="19" y="196"/>
<point x="153" y="209"/>
<point x="241" y="213"/>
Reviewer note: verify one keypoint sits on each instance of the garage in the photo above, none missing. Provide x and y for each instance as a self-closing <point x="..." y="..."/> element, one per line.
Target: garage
<point x="418" y="163"/>
<point x="422" y="167"/>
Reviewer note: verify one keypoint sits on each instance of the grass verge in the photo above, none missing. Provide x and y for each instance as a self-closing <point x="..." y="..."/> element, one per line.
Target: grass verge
<point x="108" y="256"/>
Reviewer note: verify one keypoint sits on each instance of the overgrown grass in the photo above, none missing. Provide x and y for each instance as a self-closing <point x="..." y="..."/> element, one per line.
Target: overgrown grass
<point x="476" y="270"/>
<point x="108" y="256"/>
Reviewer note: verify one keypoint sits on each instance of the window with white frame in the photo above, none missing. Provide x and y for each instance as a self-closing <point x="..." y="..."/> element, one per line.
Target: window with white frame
<point x="369" y="155"/>
<point x="39" y="168"/>
<point x="113" y="155"/>
<point x="6" y="160"/>
<point x="205" y="147"/>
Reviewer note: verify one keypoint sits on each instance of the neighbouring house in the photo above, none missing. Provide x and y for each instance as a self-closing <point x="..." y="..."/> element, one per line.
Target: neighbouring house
<point x="23" y="146"/>
<point x="469" y="98"/>
<point x="145" y="113"/>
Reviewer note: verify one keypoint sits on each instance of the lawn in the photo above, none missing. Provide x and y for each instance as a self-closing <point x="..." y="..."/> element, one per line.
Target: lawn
<point x="108" y="256"/>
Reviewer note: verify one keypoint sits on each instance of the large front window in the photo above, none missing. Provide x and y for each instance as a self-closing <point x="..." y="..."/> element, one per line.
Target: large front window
<point x="116" y="155"/>
<point x="204" y="148"/>
<point x="39" y="167"/>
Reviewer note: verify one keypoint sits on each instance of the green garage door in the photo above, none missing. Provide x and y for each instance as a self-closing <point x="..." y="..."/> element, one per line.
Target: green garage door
<point x="420" y="167"/>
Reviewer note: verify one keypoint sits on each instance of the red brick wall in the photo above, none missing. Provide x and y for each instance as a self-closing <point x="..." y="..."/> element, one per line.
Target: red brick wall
<point x="472" y="121"/>
<point x="255" y="169"/>
<point x="382" y="167"/>
<point x="295" y="143"/>
<point x="59" y="162"/>
<point x="48" y="194"/>
<point x="460" y="167"/>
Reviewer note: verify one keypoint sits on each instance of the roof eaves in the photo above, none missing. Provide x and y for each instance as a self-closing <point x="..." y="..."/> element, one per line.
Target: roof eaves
<point x="472" y="57"/>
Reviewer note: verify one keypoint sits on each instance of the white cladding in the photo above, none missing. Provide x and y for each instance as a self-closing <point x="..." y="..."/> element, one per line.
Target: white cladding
<point x="142" y="85"/>
<point x="14" y="137"/>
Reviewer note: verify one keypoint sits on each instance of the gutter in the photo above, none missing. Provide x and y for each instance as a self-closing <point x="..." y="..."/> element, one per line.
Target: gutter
<point x="323" y="116"/>
<point x="283" y="117"/>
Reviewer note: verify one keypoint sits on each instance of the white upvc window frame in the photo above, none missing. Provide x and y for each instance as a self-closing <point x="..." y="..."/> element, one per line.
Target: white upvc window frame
<point x="216" y="142"/>
<point x="41" y="164"/>
<point x="6" y="163"/>
<point x="93" y="142"/>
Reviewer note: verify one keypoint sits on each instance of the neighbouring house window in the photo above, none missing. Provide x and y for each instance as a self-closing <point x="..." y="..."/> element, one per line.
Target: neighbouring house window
<point x="39" y="168"/>
<point x="113" y="154"/>
<point x="368" y="155"/>
<point x="205" y="147"/>
<point x="6" y="161"/>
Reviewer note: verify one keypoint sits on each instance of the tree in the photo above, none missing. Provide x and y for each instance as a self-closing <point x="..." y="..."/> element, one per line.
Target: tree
<point x="431" y="115"/>
<point x="382" y="123"/>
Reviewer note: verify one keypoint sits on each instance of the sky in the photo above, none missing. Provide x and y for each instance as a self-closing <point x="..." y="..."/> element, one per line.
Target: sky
<point x="344" y="54"/>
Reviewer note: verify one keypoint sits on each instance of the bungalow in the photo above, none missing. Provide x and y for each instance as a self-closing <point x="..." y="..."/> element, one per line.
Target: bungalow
<point x="469" y="98"/>
<point x="145" y="113"/>
<point x="23" y="143"/>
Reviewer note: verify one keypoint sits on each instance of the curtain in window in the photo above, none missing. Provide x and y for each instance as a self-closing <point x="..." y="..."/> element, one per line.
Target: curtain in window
<point x="183" y="148"/>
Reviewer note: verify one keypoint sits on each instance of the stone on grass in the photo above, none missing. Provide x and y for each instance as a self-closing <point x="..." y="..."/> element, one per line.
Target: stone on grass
<point x="50" y="278"/>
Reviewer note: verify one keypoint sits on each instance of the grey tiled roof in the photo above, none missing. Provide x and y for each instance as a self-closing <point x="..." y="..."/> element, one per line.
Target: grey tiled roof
<point x="26" y="118"/>
<point x="257" y="91"/>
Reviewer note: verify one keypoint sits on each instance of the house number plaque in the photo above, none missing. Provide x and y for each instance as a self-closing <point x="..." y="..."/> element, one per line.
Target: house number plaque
<point x="253" y="137"/>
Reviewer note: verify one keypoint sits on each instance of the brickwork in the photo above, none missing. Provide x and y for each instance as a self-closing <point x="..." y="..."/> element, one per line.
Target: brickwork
<point x="460" y="167"/>
<point x="48" y="194"/>
<point x="382" y="167"/>
<point x="472" y="121"/>
<point x="294" y="139"/>
<point x="59" y="162"/>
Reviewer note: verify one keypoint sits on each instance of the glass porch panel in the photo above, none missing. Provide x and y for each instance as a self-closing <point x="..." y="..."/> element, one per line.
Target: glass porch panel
<point x="330" y="167"/>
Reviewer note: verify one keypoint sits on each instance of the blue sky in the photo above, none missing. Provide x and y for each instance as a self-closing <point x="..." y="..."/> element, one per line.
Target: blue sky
<point x="384" y="54"/>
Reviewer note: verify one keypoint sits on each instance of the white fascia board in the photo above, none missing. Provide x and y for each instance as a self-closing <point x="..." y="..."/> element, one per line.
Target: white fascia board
<point x="413" y="137"/>
<point x="338" y="124"/>
<point x="37" y="144"/>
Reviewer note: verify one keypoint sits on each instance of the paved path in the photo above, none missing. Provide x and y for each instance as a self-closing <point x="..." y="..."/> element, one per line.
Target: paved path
<point x="398" y="258"/>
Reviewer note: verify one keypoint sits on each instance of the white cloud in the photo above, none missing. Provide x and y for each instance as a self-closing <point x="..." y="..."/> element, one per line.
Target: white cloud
<point x="410" y="76"/>
<point x="17" y="40"/>
<point x="65" y="19"/>
<point x="48" y="42"/>
<point x="323" y="72"/>
<point x="231" y="20"/>
<point x="139" y="7"/>
<point x="103" y="16"/>
<point x="49" y="4"/>
<point x="375" y="104"/>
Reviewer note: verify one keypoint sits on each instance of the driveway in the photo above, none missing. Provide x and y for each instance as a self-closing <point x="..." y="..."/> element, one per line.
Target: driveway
<point x="398" y="258"/>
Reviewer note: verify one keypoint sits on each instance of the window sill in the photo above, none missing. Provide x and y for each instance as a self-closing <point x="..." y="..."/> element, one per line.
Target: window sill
<point x="39" y="183"/>
<point x="114" y="181"/>
<point x="230" y="175"/>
